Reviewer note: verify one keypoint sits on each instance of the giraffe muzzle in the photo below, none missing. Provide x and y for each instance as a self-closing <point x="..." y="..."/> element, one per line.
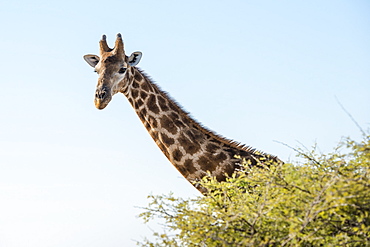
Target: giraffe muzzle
<point x="102" y="98"/>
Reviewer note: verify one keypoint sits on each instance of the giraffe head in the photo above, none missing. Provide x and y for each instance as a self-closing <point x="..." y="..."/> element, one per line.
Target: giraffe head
<point x="113" y="69"/>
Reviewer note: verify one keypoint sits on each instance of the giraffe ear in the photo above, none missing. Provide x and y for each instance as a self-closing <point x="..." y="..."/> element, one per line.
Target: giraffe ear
<point x="134" y="59"/>
<point x="92" y="60"/>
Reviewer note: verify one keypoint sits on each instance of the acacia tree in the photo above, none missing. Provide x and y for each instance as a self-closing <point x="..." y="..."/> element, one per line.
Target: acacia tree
<point x="322" y="201"/>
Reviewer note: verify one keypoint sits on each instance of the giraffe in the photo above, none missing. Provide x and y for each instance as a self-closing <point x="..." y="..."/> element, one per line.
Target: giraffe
<point x="192" y="148"/>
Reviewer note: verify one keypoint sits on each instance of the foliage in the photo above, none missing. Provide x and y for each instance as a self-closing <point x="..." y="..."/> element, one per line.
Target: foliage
<point x="323" y="201"/>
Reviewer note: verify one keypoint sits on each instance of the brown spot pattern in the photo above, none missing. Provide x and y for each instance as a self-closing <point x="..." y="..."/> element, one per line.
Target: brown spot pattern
<point x="163" y="104"/>
<point x="145" y="87"/>
<point x="143" y="94"/>
<point x="195" y="134"/>
<point x="172" y="106"/>
<point x="138" y="76"/>
<point x="168" y="124"/>
<point x="135" y="84"/>
<point x="191" y="147"/>
<point x="177" y="155"/>
<point x="206" y="164"/>
<point x="189" y="166"/>
<point x="131" y="101"/>
<point x="212" y="148"/>
<point x="168" y="141"/>
<point x="140" y="102"/>
<point x="179" y="123"/>
<point x="220" y="157"/>
<point x="220" y="177"/>
<point x="152" y="104"/>
<point x="134" y="93"/>
<point x="143" y="112"/>
<point x="229" y="169"/>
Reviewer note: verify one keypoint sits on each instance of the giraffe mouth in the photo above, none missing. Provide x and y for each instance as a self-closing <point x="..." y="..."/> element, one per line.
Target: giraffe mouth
<point x="101" y="103"/>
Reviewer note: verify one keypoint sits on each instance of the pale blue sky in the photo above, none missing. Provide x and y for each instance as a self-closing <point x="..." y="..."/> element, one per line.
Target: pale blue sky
<point x="254" y="71"/>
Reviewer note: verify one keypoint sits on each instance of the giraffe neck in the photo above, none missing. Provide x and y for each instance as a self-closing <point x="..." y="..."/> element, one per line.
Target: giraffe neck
<point x="191" y="148"/>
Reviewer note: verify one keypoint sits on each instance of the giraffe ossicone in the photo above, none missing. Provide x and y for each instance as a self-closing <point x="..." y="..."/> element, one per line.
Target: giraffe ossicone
<point x="190" y="147"/>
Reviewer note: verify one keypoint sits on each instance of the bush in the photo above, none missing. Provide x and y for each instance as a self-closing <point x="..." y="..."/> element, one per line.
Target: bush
<point x="323" y="201"/>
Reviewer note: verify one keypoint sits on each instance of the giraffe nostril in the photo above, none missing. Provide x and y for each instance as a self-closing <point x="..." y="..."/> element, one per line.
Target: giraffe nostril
<point x="100" y="94"/>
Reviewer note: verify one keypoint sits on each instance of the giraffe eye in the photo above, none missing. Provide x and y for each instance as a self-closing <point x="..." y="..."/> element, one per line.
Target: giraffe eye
<point x="122" y="70"/>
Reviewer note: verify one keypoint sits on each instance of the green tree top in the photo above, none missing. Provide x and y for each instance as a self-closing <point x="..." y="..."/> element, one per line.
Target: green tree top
<point x="324" y="201"/>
